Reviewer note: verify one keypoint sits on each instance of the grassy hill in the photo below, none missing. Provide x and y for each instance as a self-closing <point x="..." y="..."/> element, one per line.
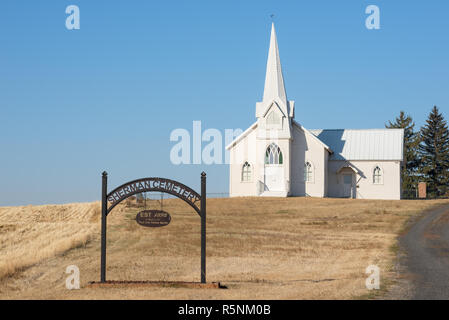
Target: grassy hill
<point x="261" y="248"/>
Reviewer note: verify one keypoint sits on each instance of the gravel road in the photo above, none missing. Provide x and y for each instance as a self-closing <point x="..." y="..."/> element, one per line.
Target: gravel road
<point x="425" y="258"/>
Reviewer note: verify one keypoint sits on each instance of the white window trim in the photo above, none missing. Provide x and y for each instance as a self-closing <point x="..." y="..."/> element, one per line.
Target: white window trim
<point x="312" y="178"/>
<point x="241" y="173"/>
<point x="382" y="174"/>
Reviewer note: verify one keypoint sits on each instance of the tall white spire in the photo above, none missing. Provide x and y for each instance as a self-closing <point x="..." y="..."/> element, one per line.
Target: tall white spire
<point x="274" y="81"/>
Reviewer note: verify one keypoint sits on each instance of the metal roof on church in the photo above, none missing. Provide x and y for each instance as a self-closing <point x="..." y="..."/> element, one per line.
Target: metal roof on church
<point x="363" y="144"/>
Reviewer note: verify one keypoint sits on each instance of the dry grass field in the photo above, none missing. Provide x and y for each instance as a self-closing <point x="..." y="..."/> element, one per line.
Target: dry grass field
<point x="260" y="248"/>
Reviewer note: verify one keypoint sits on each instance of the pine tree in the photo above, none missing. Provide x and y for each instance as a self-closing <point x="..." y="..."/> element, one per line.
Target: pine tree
<point x="434" y="152"/>
<point x="411" y="160"/>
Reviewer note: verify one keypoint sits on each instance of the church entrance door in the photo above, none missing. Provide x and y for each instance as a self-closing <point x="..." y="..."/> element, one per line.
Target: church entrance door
<point x="348" y="184"/>
<point x="274" y="178"/>
<point x="274" y="169"/>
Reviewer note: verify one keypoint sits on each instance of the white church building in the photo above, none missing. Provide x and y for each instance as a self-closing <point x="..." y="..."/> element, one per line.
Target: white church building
<point x="277" y="156"/>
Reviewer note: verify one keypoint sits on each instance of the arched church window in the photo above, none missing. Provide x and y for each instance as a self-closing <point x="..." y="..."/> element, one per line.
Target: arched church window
<point x="246" y="172"/>
<point x="377" y="175"/>
<point x="273" y="118"/>
<point x="273" y="155"/>
<point x="308" y="174"/>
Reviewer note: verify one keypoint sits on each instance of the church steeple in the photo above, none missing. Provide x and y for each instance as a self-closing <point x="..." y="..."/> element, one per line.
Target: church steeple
<point x="274" y="89"/>
<point x="274" y="81"/>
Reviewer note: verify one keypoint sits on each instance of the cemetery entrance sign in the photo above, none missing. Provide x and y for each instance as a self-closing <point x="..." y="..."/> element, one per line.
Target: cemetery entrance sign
<point x="153" y="218"/>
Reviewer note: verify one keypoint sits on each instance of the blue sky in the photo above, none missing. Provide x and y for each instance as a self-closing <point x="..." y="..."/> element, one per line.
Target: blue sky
<point x="106" y="97"/>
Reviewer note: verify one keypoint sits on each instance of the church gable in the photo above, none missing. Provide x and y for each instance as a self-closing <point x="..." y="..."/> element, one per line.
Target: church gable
<point x="274" y="107"/>
<point x="242" y="136"/>
<point x="312" y="136"/>
<point x="274" y="117"/>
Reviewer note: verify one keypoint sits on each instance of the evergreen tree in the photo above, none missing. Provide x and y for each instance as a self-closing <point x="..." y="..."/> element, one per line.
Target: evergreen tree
<point x="434" y="152"/>
<point x="411" y="160"/>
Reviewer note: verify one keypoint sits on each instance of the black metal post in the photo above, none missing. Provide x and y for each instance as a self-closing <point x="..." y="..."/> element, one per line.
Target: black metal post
<point x="104" y="208"/>
<point x="203" y="227"/>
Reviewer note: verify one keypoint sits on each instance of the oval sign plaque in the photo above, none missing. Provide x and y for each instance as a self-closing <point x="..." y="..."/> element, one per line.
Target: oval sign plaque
<point x="153" y="218"/>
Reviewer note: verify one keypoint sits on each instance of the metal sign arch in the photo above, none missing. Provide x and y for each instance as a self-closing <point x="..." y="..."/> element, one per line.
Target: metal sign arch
<point x="172" y="187"/>
<point x="154" y="184"/>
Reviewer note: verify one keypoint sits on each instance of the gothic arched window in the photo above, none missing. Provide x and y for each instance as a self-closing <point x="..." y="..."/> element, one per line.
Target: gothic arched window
<point x="377" y="175"/>
<point x="246" y="172"/>
<point x="308" y="173"/>
<point x="273" y="155"/>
